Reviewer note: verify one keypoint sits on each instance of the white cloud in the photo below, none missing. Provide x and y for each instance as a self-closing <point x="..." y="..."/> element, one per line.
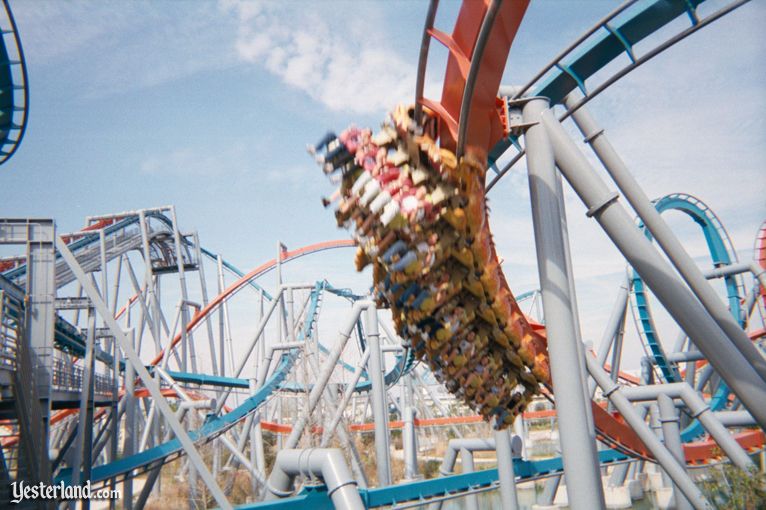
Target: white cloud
<point x="121" y="46"/>
<point x="194" y="161"/>
<point x="357" y="74"/>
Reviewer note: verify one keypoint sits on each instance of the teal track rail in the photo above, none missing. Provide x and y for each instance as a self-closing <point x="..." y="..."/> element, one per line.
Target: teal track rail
<point x="403" y="364"/>
<point x="89" y="239"/>
<point x="169" y="450"/>
<point x="316" y="498"/>
<point x="14" y="88"/>
<point x="615" y="36"/>
<point x="213" y="426"/>
<point x="722" y="254"/>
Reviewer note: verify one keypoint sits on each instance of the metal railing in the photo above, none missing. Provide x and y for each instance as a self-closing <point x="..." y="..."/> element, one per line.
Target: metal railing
<point x="69" y="377"/>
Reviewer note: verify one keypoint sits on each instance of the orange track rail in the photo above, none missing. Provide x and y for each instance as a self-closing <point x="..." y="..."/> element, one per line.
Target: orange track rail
<point x="485" y="130"/>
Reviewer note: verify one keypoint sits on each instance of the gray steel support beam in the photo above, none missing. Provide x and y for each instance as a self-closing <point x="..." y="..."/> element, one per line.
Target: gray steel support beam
<point x="578" y="442"/>
<point x="146" y="378"/>
<point x="151" y="294"/>
<point x="203" y="290"/>
<point x="187" y="341"/>
<point x="410" y="444"/>
<point x="549" y="491"/>
<point x="114" y="436"/>
<point x="466" y="448"/>
<point x="699" y="410"/>
<point x="129" y="437"/>
<point x="664" y="236"/>
<point x="235" y="449"/>
<point x="332" y="359"/>
<point x="738" y="372"/>
<point x="671" y="432"/>
<point x="677" y="472"/>
<point x="613" y="327"/>
<point x="379" y="407"/>
<point x="347" y="394"/>
<point x="466" y="459"/>
<point x="573" y="302"/>
<point x="250" y="347"/>
<point x="38" y="235"/>
<point x="735" y="418"/>
<point x="84" y="443"/>
<point x="508" y="497"/>
<point x="326" y="463"/>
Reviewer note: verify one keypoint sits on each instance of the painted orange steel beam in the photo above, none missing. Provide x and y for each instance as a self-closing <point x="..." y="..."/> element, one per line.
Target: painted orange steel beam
<point x="240" y="283"/>
<point x="484" y="120"/>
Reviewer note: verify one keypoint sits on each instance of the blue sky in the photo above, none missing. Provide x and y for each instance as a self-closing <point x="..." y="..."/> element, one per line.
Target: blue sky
<point x="208" y="106"/>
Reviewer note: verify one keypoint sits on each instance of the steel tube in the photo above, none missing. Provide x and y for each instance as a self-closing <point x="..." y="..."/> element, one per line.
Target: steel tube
<point x="699" y="410"/>
<point x="143" y="374"/>
<point x="256" y="337"/>
<point x="327" y="369"/>
<point x="735" y="418"/>
<point x="466" y="459"/>
<point x="327" y="463"/>
<point x="347" y="394"/>
<point x="464" y="447"/>
<point x="613" y="327"/>
<point x="508" y="497"/>
<point x="666" y="459"/>
<point x="671" y="432"/>
<point x="577" y="437"/>
<point x="379" y="407"/>
<point x="660" y="230"/>
<point x="638" y="250"/>
<point x="409" y="444"/>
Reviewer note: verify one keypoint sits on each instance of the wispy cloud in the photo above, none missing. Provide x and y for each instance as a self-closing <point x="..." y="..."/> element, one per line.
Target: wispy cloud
<point x="123" y="46"/>
<point x="343" y="63"/>
<point x="195" y="161"/>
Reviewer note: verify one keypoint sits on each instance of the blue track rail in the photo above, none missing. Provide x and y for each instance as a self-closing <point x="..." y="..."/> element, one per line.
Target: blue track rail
<point x="721" y="254"/>
<point x="316" y="498"/>
<point x="213" y="426"/>
<point x="617" y="35"/>
<point x="89" y="239"/>
<point x="404" y="361"/>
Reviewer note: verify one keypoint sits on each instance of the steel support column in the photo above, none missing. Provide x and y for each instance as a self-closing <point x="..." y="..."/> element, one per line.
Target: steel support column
<point x="577" y="438"/>
<point x="410" y="444"/>
<point x="671" y="432"/>
<point x="505" y="474"/>
<point x="638" y="250"/>
<point x="151" y="385"/>
<point x="664" y="236"/>
<point x="379" y="407"/>
<point x="676" y="471"/>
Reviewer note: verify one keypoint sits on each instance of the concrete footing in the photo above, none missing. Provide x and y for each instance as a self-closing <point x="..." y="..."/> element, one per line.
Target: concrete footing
<point x="635" y="490"/>
<point x="664" y="498"/>
<point x="617" y="497"/>
<point x="561" y="498"/>
<point x="650" y="482"/>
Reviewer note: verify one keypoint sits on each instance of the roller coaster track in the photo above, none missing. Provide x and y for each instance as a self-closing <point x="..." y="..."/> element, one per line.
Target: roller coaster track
<point x="117" y="231"/>
<point x="478" y="47"/>
<point x="212" y="428"/>
<point x="472" y="124"/>
<point x="615" y="35"/>
<point x="760" y="255"/>
<point x="13" y="83"/>
<point x="131" y="465"/>
<point x="590" y="53"/>
<point x="722" y="253"/>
